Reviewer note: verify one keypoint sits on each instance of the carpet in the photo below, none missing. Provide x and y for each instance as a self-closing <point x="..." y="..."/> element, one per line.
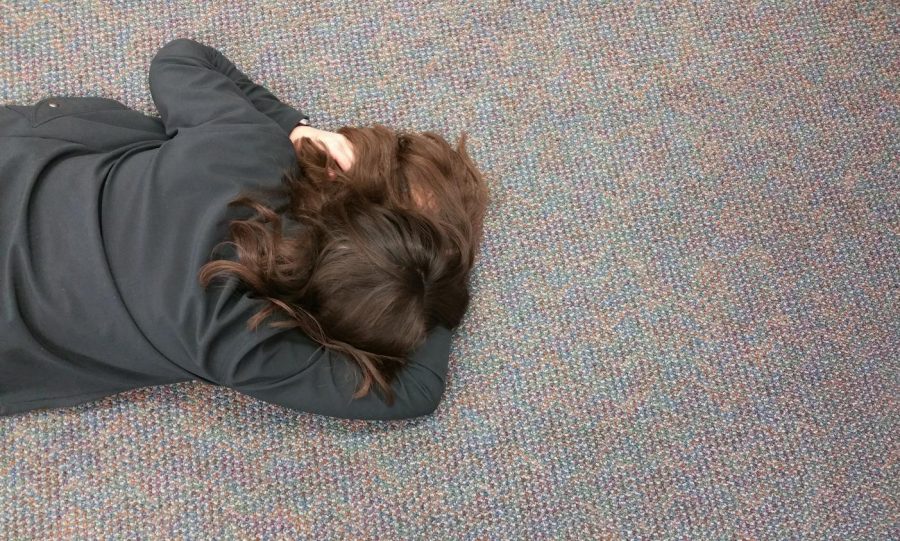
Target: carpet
<point x="684" y="321"/>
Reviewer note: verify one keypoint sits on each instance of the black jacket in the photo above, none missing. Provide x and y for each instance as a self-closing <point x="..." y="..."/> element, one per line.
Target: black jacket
<point x="106" y="216"/>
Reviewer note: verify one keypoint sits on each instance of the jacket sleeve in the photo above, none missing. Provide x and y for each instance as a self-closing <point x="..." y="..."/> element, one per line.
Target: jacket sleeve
<point x="193" y="84"/>
<point x="291" y="370"/>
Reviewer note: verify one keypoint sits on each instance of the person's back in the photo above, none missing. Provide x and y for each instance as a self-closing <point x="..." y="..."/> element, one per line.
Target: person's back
<point x="107" y="215"/>
<point x="64" y="318"/>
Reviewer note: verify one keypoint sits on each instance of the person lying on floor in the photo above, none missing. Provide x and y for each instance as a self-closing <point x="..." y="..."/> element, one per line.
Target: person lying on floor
<point x="139" y="251"/>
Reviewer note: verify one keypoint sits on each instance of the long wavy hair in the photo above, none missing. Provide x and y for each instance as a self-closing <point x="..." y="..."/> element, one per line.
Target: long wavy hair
<point x="368" y="261"/>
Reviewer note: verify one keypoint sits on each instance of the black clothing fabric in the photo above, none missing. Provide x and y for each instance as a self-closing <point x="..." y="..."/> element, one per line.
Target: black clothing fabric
<point x="106" y="216"/>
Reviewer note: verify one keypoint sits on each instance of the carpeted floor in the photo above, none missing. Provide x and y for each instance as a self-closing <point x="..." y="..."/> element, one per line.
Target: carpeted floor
<point x="685" y="323"/>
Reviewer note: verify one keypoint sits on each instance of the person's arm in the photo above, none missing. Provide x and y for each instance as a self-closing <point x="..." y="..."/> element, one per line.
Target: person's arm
<point x="264" y="101"/>
<point x="291" y="370"/>
<point x="193" y="84"/>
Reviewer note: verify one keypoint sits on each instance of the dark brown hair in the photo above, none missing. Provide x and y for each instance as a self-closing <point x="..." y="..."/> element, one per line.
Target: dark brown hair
<point x="354" y="261"/>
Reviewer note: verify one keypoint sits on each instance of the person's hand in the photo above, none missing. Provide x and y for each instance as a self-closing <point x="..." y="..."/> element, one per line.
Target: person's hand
<point x="335" y="144"/>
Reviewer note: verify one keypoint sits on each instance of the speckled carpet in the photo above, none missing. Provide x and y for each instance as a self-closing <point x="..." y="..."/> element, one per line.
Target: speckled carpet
<point x="685" y="324"/>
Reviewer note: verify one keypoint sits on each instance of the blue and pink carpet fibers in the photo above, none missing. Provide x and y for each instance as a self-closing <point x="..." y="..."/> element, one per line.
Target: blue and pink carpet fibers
<point x="684" y="324"/>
